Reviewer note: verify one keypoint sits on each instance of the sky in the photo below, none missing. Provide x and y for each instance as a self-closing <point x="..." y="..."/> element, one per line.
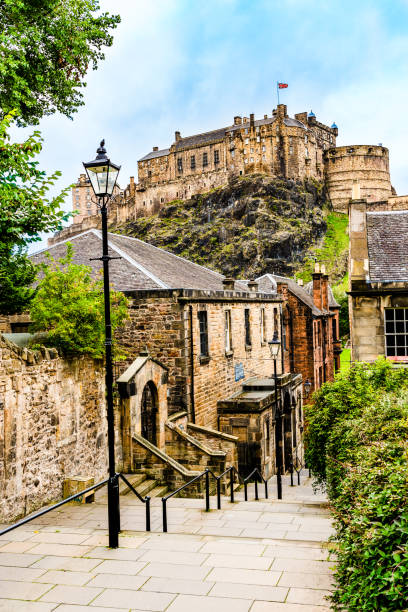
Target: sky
<point x="191" y="66"/>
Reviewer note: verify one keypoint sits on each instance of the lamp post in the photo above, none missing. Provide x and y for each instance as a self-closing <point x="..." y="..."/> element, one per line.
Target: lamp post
<point x="274" y="345"/>
<point x="103" y="174"/>
<point x="307" y="386"/>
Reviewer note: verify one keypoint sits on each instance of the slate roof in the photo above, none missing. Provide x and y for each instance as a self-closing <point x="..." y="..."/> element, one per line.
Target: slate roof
<point x="387" y="238"/>
<point x="142" y="265"/>
<point x="154" y="154"/>
<point x="332" y="302"/>
<point x="267" y="280"/>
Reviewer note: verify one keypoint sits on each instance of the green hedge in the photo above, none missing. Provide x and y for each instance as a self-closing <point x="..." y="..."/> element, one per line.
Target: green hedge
<point x="357" y="447"/>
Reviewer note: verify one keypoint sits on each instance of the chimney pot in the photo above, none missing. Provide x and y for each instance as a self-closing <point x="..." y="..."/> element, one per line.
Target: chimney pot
<point x="317" y="267"/>
<point x="228" y="283"/>
<point x="252" y="119"/>
<point x="237" y="120"/>
<point x="177" y="136"/>
<point x="245" y="119"/>
<point x="155" y="148"/>
<point x="265" y="116"/>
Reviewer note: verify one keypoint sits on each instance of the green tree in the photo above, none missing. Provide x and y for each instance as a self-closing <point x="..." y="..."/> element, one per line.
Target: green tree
<point x="46" y="48"/>
<point x="68" y="308"/>
<point x="24" y="212"/>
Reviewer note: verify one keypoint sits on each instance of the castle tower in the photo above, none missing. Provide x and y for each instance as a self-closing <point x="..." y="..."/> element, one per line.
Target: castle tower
<point x="365" y="165"/>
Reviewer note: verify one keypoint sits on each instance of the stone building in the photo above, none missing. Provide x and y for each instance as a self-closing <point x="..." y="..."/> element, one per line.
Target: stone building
<point x="211" y="335"/>
<point x="378" y="281"/>
<point x="310" y="326"/>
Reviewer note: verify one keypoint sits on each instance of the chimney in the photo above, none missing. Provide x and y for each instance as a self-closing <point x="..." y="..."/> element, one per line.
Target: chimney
<point x="253" y="285"/>
<point x="282" y="111"/>
<point x="301" y="117"/>
<point x="155" y="148"/>
<point x="245" y="119"/>
<point x="237" y="120"/>
<point x="325" y="289"/>
<point x="265" y="116"/>
<point x="177" y="136"/>
<point x="228" y="283"/>
<point x="317" y="287"/>
<point x="358" y="250"/>
<point x="252" y="120"/>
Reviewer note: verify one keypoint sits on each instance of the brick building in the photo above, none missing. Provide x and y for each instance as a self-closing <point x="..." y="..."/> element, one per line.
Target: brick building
<point x="378" y="281"/>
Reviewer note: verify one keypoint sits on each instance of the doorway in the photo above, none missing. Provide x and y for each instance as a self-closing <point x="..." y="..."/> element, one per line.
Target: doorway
<point x="149" y="413"/>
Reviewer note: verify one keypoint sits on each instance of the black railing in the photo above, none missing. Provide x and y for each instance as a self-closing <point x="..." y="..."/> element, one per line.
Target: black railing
<point x="255" y="475"/>
<point x="144" y="500"/>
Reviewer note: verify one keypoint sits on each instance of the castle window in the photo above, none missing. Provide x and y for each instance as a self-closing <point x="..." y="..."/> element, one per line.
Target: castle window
<point x="192" y="162"/>
<point x="232" y="166"/>
<point x="216" y="157"/>
<point x="246" y="130"/>
<point x="258" y="139"/>
<point x="290" y="150"/>
<point x="252" y="150"/>
<point x="203" y="322"/>
<point x="149" y="174"/>
<point x="245" y="161"/>
<point x="396" y="332"/>
<point x="263" y="148"/>
<point x="246" y="140"/>
<point x="264" y="157"/>
<point x="247" y="327"/>
<point x="228" y="332"/>
<point x="179" y="164"/>
<point x="306" y="138"/>
<point x="205" y="159"/>
<point x="232" y="153"/>
<point x="263" y="326"/>
<point x="306" y="152"/>
<point x="251" y="160"/>
<point x="245" y="151"/>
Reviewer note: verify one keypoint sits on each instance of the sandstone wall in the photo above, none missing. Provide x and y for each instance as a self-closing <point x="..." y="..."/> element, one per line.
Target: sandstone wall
<point x="367" y="164"/>
<point x="52" y="426"/>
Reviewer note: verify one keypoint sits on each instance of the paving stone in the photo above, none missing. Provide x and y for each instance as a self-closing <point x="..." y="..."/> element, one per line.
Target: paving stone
<point x="264" y="532"/>
<point x="118" y="581"/>
<point x="71" y="594"/>
<point x="113" y="566"/>
<point x="17" y="559"/>
<point x="306" y="581"/>
<point x="137" y="600"/>
<point x="18" y="605"/>
<point x="169" y="570"/>
<point x="171" y="556"/>
<point x="22" y="590"/>
<point x="220" y="531"/>
<point x="63" y="550"/>
<point x="75" y="564"/>
<point x="69" y="608"/>
<point x="173" y="544"/>
<point x="296" y="552"/>
<point x="64" y="577"/>
<point x="316" y="597"/>
<point x="239" y="561"/>
<point x="48" y="537"/>
<point x="26" y="574"/>
<point x="249" y="591"/>
<point x="243" y="576"/>
<point x="235" y="548"/>
<point x="120" y="554"/>
<point x="189" y="603"/>
<point x="17" y="547"/>
<point x="268" y="606"/>
<point x="171" y="585"/>
<point x="306" y="566"/>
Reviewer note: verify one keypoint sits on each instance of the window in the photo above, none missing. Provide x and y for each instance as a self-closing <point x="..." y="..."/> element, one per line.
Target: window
<point x="179" y="164"/>
<point x="264" y="157"/>
<point x="290" y="150"/>
<point x="306" y="138"/>
<point x="263" y="148"/>
<point x="216" y="157"/>
<point x="396" y="332"/>
<point x="149" y="173"/>
<point x="251" y="150"/>
<point x="228" y="332"/>
<point x="263" y="326"/>
<point x="192" y="162"/>
<point x="334" y="329"/>
<point x="202" y="318"/>
<point x="267" y="436"/>
<point x="258" y="139"/>
<point x="247" y="327"/>
<point x="205" y="159"/>
<point x="306" y="152"/>
<point x="251" y="160"/>
<point x="275" y="321"/>
<point x="232" y="153"/>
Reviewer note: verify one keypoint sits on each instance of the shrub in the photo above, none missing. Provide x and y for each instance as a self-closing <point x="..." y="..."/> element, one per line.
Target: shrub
<point x="357" y="446"/>
<point x="69" y="308"/>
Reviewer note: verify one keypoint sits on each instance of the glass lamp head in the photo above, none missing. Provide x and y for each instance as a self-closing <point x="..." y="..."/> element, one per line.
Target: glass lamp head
<point x="102" y="173"/>
<point x="307" y="386"/>
<point x="274" y="345"/>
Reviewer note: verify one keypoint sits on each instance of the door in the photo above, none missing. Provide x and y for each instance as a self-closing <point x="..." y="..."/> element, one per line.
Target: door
<point x="149" y="413"/>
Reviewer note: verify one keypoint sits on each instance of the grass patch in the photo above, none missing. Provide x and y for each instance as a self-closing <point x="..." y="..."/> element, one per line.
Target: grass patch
<point x="345" y="357"/>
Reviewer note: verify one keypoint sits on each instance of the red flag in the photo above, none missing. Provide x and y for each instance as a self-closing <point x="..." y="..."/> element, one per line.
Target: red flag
<point x="282" y="85"/>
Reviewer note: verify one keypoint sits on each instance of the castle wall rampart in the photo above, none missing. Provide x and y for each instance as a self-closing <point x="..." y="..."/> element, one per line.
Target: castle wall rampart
<point x="367" y="165"/>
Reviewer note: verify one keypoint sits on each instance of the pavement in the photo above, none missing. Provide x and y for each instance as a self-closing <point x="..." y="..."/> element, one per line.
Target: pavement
<point x="257" y="556"/>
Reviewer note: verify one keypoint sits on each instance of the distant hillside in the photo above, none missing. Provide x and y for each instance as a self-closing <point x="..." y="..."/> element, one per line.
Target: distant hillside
<point x="256" y="224"/>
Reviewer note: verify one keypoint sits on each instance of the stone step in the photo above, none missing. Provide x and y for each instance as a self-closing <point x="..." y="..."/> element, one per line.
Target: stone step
<point x="135" y="480"/>
<point x="159" y="491"/>
<point x="146" y="486"/>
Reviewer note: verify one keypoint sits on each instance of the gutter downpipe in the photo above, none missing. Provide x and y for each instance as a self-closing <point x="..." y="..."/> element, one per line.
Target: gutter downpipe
<point x="192" y="404"/>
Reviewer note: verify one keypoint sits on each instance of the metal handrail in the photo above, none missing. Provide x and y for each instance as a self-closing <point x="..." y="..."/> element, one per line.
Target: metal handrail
<point x="246" y="480"/>
<point x="57" y="505"/>
<point x="145" y="500"/>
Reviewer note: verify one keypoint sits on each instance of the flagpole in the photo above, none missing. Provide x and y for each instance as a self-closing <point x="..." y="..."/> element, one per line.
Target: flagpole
<point x="277" y="90"/>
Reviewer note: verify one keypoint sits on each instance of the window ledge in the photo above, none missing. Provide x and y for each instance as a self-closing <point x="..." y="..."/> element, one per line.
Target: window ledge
<point x="229" y="353"/>
<point x="204" y="359"/>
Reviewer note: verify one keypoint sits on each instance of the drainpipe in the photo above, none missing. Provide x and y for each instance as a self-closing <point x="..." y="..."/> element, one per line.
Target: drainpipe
<point x="281" y="335"/>
<point x="291" y="355"/>
<point x="192" y="404"/>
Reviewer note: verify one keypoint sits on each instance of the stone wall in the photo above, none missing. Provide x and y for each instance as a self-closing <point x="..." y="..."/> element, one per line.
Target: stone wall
<point x="52" y="426"/>
<point x="366" y="164"/>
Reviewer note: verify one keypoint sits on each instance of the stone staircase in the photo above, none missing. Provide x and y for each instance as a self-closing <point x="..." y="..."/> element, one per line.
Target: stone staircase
<point x="143" y="485"/>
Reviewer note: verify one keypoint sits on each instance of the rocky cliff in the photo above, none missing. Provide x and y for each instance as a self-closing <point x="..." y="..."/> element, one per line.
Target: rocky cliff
<point x="253" y="225"/>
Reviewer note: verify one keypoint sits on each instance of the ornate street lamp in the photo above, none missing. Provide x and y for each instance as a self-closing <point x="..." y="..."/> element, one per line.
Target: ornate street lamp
<point x="307" y="386"/>
<point x="103" y="175"/>
<point x="274" y="346"/>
